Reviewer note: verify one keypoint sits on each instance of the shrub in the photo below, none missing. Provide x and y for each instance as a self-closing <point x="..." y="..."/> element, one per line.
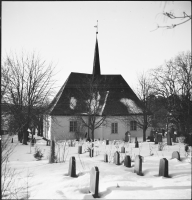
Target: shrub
<point x="38" y="153"/>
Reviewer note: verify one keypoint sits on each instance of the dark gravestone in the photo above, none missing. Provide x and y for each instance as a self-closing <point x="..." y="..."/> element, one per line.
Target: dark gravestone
<point x="138" y="165"/>
<point x="117" y="158"/>
<point x="156" y="139"/>
<point x="72" y="167"/>
<point x="186" y="148"/>
<point x="151" y="138"/>
<point x="127" y="161"/>
<point x="79" y="149"/>
<point x="107" y="142"/>
<point x="91" y="153"/>
<point x="159" y="138"/>
<point x="126" y="137"/>
<point x="163" y="167"/>
<point x="105" y="158"/>
<point x="176" y="154"/>
<point x="174" y="138"/>
<point x="190" y="140"/>
<point x="136" y="144"/>
<point x="94" y="182"/>
<point x="169" y="142"/>
<point x="122" y="149"/>
<point x="12" y="140"/>
<point x="135" y="139"/>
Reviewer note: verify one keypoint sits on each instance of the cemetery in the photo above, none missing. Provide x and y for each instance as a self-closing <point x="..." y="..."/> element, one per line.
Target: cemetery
<point x="104" y="169"/>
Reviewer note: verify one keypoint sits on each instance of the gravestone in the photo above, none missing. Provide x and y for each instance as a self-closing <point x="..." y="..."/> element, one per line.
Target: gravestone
<point x="72" y="167"/>
<point x="122" y="149"/>
<point x="186" y="148"/>
<point x="151" y="138"/>
<point x="105" y="158"/>
<point x="159" y="138"/>
<point x="12" y="140"/>
<point x="107" y="142"/>
<point x="176" y="154"/>
<point x="138" y="165"/>
<point x="129" y="136"/>
<point x="126" y="137"/>
<point x="79" y="149"/>
<point x="174" y="138"/>
<point x="91" y="153"/>
<point x="117" y="158"/>
<point x="136" y="144"/>
<point x="135" y="139"/>
<point x="94" y="182"/>
<point x="127" y="161"/>
<point x="169" y="142"/>
<point x="163" y="167"/>
<point x="156" y="139"/>
<point x="190" y="139"/>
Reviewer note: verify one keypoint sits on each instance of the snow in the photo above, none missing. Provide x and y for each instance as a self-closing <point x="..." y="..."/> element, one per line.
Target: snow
<point x="131" y="106"/>
<point x="50" y="181"/>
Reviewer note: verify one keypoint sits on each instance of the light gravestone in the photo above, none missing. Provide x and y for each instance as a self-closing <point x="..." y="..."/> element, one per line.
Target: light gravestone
<point x="136" y="144"/>
<point x="163" y="167"/>
<point x="122" y="149"/>
<point x="138" y="165"/>
<point x="105" y="158"/>
<point x="94" y="182"/>
<point x="176" y="155"/>
<point x="117" y="158"/>
<point x="169" y="142"/>
<point x="72" y="167"/>
<point x="127" y="161"/>
<point x="79" y="149"/>
<point x="129" y="137"/>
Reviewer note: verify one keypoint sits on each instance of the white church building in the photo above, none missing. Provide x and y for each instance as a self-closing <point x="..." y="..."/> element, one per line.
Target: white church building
<point x="117" y="107"/>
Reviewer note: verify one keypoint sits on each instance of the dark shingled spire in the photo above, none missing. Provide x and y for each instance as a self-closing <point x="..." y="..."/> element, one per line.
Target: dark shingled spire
<point x="96" y="62"/>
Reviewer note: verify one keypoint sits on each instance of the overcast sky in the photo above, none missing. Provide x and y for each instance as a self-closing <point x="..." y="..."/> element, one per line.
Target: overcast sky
<point x="64" y="33"/>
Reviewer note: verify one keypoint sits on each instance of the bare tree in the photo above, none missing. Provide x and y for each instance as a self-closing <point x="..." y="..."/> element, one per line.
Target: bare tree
<point x="92" y="96"/>
<point x="175" y="18"/>
<point x="144" y="91"/>
<point x="173" y="81"/>
<point x="30" y="86"/>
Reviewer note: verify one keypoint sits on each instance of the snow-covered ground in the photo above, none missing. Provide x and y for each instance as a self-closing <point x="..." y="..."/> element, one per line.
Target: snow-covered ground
<point x="42" y="180"/>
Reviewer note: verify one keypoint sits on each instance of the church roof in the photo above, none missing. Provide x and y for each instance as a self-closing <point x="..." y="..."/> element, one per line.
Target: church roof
<point x="116" y="98"/>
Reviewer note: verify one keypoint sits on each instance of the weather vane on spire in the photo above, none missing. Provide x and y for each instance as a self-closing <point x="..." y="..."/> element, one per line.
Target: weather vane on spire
<point x="96" y="27"/>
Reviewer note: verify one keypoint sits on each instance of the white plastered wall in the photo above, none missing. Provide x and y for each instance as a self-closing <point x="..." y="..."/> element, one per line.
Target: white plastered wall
<point x="60" y="129"/>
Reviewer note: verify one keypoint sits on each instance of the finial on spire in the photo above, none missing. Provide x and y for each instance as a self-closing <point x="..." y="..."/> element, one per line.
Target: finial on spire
<point x="96" y="27"/>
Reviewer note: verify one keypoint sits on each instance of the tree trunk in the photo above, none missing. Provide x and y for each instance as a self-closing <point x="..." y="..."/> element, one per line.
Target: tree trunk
<point x="92" y="134"/>
<point x="24" y="130"/>
<point x="144" y="134"/>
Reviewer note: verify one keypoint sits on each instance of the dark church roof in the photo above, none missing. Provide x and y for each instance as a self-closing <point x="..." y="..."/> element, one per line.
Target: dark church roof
<point x="116" y="96"/>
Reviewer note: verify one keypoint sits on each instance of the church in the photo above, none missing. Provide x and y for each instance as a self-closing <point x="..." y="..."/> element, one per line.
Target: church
<point x="96" y="106"/>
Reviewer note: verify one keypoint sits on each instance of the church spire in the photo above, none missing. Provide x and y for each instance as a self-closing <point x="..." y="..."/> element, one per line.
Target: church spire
<point x="96" y="62"/>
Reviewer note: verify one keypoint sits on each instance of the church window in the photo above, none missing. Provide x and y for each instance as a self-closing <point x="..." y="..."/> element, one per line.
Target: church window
<point x="73" y="126"/>
<point x="114" y="127"/>
<point x="133" y="125"/>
